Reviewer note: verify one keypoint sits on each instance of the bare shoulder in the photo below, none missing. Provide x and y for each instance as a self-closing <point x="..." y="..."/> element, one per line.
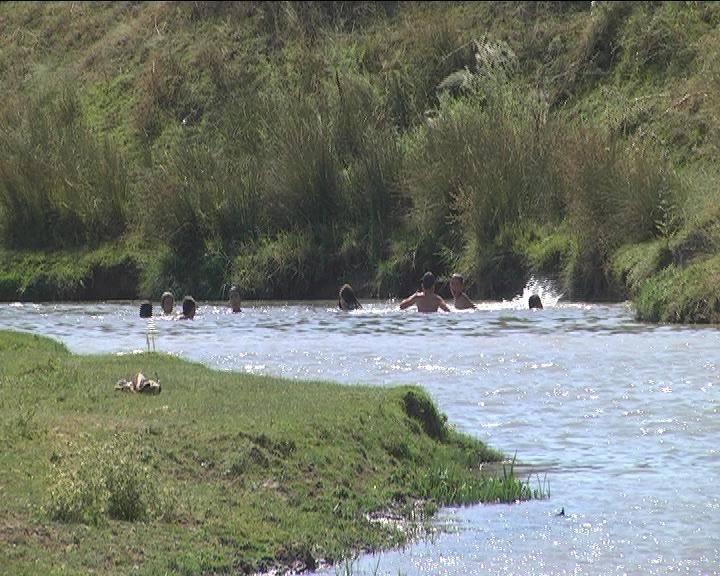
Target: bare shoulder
<point x="409" y="301"/>
<point x="467" y="302"/>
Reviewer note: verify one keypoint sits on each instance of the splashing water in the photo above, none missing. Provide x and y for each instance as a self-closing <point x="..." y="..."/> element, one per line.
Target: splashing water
<point x="543" y="287"/>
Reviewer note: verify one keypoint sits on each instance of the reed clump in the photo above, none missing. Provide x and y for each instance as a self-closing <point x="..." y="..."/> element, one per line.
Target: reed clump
<point x="61" y="185"/>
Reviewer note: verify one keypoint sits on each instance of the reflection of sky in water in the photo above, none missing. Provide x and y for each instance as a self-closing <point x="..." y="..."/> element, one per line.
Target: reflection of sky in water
<point x="621" y="416"/>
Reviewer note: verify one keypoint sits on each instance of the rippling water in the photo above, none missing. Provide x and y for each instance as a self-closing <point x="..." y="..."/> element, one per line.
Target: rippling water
<point x="622" y="416"/>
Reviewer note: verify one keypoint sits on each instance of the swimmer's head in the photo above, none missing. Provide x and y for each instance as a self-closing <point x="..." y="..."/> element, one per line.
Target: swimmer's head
<point x="535" y="302"/>
<point x="347" y="299"/>
<point x="189" y="307"/>
<point x="428" y="281"/>
<point x="167" y="302"/>
<point x="457" y="285"/>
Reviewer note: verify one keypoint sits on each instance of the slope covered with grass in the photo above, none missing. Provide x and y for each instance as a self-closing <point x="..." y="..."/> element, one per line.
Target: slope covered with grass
<point x="290" y="147"/>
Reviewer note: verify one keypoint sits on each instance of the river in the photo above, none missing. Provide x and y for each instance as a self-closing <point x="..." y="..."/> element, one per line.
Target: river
<point x="622" y="418"/>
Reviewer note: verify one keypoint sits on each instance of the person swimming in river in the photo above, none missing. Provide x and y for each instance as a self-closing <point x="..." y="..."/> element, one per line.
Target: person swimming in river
<point x="534" y="302"/>
<point x="425" y="300"/>
<point x="189" y="307"/>
<point x="167" y="303"/>
<point x="347" y="299"/>
<point x="460" y="299"/>
<point x="234" y="298"/>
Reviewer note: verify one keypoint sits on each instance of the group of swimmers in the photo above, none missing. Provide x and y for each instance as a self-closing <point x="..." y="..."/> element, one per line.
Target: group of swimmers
<point x="425" y="299"/>
<point x="189" y="306"/>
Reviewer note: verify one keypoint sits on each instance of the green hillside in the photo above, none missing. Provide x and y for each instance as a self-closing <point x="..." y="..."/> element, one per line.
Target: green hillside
<point x="290" y="147"/>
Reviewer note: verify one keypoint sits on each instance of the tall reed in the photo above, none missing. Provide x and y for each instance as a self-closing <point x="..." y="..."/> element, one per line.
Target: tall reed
<point x="61" y="185"/>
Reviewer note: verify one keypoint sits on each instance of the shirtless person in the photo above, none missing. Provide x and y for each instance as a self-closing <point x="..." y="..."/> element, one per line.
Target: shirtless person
<point x="427" y="300"/>
<point x="457" y="287"/>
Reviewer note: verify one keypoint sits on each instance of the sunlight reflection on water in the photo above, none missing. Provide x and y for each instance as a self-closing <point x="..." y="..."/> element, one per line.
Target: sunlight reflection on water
<point x="622" y="415"/>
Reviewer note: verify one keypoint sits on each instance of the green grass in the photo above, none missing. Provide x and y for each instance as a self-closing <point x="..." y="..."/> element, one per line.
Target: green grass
<point x="689" y="294"/>
<point x="106" y="272"/>
<point x="219" y="473"/>
<point x="290" y="148"/>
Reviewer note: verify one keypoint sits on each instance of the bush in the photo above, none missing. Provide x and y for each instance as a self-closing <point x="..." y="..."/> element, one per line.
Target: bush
<point x="106" y="481"/>
<point x="60" y="185"/>
<point x="655" y="38"/>
<point x="479" y="173"/>
<point x="304" y="174"/>
<point x="283" y="267"/>
<point x="690" y="294"/>
<point x="633" y="264"/>
<point x="614" y="195"/>
<point x="204" y="193"/>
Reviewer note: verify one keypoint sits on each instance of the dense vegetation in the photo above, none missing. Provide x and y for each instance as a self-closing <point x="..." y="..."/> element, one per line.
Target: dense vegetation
<point x="221" y="473"/>
<point x="290" y="147"/>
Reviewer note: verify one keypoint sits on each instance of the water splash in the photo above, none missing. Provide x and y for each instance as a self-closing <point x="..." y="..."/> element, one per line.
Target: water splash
<point x="545" y="288"/>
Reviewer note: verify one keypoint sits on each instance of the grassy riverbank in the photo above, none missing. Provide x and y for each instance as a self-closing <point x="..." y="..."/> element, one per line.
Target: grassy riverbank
<point x="219" y="473"/>
<point x="291" y="147"/>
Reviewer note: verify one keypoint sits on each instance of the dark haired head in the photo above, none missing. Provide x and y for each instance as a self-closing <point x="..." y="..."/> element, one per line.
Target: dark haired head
<point x="534" y="301"/>
<point x="428" y="280"/>
<point x="145" y="309"/>
<point x="347" y="295"/>
<point x="189" y="306"/>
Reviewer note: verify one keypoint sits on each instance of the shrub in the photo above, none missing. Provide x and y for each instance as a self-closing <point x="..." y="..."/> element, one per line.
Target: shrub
<point x="614" y="195"/>
<point x="633" y="264"/>
<point x="478" y="173"/>
<point x="655" y="38"/>
<point x="304" y="174"/>
<point x="282" y="267"/>
<point x="60" y="184"/>
<point x="690" y="294"/>
<point x="106" y="481"/>
<point x="204" y="193"/>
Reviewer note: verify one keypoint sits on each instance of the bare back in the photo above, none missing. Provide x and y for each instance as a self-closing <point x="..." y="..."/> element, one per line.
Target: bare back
<point x="426" y="302"/>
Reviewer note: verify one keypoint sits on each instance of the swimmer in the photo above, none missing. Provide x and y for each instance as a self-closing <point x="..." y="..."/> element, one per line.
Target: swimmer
<point x="427" y="300"/>
<point x="234" y="296"/>
<point x="535" y="302"/>
<point x="167" y="303"/>
<point x="189" y="308"/>
<point x="347" y="299"/>
<point x="460" y="299"/>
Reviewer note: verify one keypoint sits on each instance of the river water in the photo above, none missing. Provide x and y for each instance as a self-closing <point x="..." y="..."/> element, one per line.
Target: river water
<point x="622" y="418"/>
